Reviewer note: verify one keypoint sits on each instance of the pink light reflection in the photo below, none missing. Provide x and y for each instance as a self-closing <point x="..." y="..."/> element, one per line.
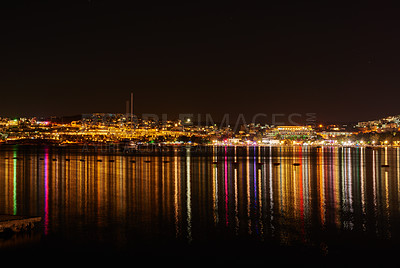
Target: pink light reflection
<point x="46" y="192"/>
<point x="226" y="189"/>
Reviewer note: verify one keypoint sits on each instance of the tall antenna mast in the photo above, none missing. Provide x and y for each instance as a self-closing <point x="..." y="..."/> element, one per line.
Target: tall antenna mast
<point x="131" y="110"/>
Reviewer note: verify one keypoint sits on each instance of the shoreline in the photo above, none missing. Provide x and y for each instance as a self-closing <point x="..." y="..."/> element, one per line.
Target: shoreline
<point x="144" y="144"/>
<point x="159" y="147"/>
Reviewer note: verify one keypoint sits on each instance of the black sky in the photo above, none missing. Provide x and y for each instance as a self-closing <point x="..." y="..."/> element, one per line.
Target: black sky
<point x="341" y="62"/>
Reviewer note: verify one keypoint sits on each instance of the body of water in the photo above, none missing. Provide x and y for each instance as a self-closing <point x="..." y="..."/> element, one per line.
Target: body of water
<point x="233" y="202"/>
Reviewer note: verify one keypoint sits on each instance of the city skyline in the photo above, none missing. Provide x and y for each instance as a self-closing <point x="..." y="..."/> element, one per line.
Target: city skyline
<point x="100" y="129"/>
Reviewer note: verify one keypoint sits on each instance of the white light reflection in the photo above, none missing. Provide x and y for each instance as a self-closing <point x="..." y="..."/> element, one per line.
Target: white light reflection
<point x="363" y="188"/>
<point x="176" y="196"/>
<point x="188" y="196"/>
<point x="374" y="187"/>
<point x="271" y="192"/>
<point x="215" y="188"/>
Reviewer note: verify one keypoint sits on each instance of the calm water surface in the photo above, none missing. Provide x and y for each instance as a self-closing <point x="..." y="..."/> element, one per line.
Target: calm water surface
<point x="225" y="201"/>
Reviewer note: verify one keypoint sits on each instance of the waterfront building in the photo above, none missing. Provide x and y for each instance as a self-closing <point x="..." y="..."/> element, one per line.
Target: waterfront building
<point x="334" y="134"/>
<point x="293" y="132"/>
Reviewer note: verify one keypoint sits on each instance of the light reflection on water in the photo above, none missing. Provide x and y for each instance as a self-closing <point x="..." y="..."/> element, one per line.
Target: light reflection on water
<point x="290" y="195"/>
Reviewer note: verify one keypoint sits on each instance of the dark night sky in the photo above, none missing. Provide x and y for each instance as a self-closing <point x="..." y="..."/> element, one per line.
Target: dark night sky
<point x="341" y="62"/>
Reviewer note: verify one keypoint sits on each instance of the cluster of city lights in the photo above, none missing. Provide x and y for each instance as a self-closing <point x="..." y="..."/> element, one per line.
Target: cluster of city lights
<point x="115" y="128"/>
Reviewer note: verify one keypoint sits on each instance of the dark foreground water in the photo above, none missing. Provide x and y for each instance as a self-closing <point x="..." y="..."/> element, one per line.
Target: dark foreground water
<point x="295" y="204"/>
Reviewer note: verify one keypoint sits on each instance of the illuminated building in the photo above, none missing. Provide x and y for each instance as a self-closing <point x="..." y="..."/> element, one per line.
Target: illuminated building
<point x="293" y="132"/>
<point x="334" y="134"/>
